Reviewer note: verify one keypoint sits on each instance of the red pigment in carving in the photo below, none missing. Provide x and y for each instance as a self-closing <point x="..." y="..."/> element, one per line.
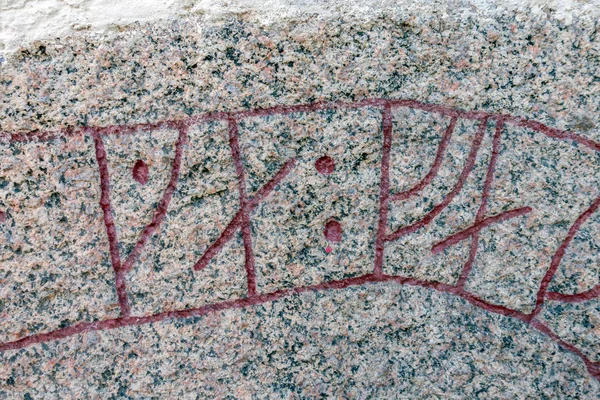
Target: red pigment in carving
<point x="248" y="204"/>
<point x="328" y="249"/>
<point x="557" y="258"/>
<point x="140" y="172"/>
<point x="2" y="216"/>
<point x="333" y="231"/>
<point x="577" y="297"/>
<point x="161" y="210"/>
<point x="478" y="226"/>
<point x="457" y="188"/>
<point x="245" y="220"/>
<point x="489" y="178"/>
<point x="384" y="189"/>
<point x="109" y="223"/>
<point x="325" y="165"/>
<point x="437" y="163"/>
<point x="263" y="298"/>
<point x="283" y="110"/>
<point x="235" y="223"/>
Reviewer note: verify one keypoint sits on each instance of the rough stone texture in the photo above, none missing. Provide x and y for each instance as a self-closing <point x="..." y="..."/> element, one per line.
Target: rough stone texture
<point x="542" y="68"/>
<point x="411" y="255"/>
<point x="54" y="268"/>
<point x="288" y="226"/>
<point x="309" y="346"/>
<point x="205" y="201"/>
<point x="354" y="338"/>
<point x="559" y="181"/>
<point x="576" y="322"/>
<point x="133" y="203"/>
<point x="580" y="268"/>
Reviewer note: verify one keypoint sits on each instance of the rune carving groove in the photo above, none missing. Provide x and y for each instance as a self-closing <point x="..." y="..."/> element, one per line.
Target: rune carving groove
<point x="248" y="203"/>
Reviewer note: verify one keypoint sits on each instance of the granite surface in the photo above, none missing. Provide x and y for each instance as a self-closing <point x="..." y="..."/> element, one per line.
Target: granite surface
<point x="393" y="342"/>
<point x="399" y="206"/>
<point x="289" y="244"/>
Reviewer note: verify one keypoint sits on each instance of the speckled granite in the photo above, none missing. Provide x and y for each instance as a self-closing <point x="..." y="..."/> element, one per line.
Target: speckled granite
<point x="376" y="348"/>
<point x="205" y="202"/>
<point x="289" y="244"/>
<point x="411" y="255"/>
<point x="557" y="180"/>
<point x="54" y="268"/>
<point x="432" y="233"/>
<point x="542" y="68"/>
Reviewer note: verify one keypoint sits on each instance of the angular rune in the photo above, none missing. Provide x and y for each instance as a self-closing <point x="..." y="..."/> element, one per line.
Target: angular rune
<point x="455" y="203"/>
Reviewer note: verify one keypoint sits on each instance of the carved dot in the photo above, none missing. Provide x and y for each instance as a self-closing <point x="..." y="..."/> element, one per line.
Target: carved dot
<point x="140" y="172"/>
<point x="2" y="216"/>
<point x="333" y="231"/>
<point x="325" y="165"/>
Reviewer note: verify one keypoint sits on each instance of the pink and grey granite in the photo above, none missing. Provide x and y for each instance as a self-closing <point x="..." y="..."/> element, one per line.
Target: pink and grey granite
<point x="54" y="267"/>
<point x="393" y="342"/>
<point x="291" y="248"/>
<point x="558" y="180"/>
<point x="234" y="252"/>
<point x="203" y="205"/>
<point x="411" y="255"/>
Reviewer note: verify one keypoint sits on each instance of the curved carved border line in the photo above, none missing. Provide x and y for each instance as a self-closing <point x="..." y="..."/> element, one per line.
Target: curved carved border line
<point x="247" y="204"/>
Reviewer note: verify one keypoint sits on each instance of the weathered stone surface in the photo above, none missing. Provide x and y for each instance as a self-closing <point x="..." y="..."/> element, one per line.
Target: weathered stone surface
<point x="134" y="203"/>
<point x="249" y="174"/>
<point x="411" y="255"/>
<point x="54" y="264"/>
<point x="288" y="226"/>
<point x="580" y="268"/>
<point x="205" y="201"/>
<point x="310" y="346"/>
<point x="559" y="181"/>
